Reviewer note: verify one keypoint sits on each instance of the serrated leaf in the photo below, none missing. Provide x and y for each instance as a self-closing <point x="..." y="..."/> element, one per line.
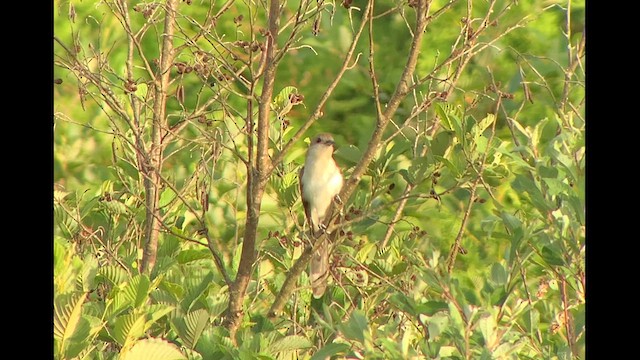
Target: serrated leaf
<point x="407" y="176"/>
<point x="281" y="100"/>
<point x="137" y="290"/>
<point x="445" y="121"/>
<point x="292" y="342"/>
<point x="128" y="327"/>
<point x="114" y="274"/>
<point x="191" y="326"/>
<point x="156" y="312"/>
<point x="485" y="123"/>
<point x="368" y="250"/>
<point x="153" y="349"/>
<point x="66" y="318"/>
<point x="195" y="287"/>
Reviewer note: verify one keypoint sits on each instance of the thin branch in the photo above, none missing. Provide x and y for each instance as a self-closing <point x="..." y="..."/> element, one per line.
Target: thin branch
<point x="317" y="113"/>
<point x="402" y="89"/>
<point x="455" y="248"/>
<point x="258" y="174"/>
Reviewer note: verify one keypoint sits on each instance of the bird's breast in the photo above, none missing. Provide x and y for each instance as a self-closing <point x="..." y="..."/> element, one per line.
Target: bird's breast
<point x="321" y="182"/>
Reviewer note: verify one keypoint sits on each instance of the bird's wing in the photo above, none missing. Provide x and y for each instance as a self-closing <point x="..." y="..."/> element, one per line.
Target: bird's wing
<point x="305" y="203"/>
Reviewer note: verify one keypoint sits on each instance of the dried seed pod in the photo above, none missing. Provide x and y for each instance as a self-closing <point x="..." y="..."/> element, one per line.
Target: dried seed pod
<point x="180" y="94"/>
<point x="296" y="98"/>
<point x="180" y="66"/>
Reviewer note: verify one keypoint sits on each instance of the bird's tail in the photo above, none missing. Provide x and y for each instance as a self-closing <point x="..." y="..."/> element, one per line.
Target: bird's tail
<point x="319" y="268"/>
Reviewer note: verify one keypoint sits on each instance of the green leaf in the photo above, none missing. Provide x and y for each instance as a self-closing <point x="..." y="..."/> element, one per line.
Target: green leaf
<point x="195" y="287"/>
<point x="485" y="123"/>
<point x="282" y="100"/>
<point x="356" y="326"/>
<point x="498" y="274"/>
<point x="404" y="303"/>
<point x="511" y="222"/>
<point x="128" y="328"/>
<point x="288" y="343"/>
<point x="440" y="143"/>
<point x="445" y="121"/>
<point x="153" y="349"/>
<point x="551" y="257"/>
<point x="189" y="255"/>
<point x="86" y="279"/>
<point x="438" y="324"/>
<point x="166" y="197"/>
<point x="191" y="326"/>
<point x="488" y="326"/>
<point x="548" y="172"/>
<point x="141" y="91"/>
<point x="67" y="309"/>
<point x="349" y="153"/>
<point x="114" y="274"/>
<point x="367" y="251"/>
<point x="406" y="175"/>
<point x="137" y="290"/>
<point x="450" y="165"/>
<point x="331" y="349"/>
<point x="432" y="307"/>
<point x="524" y="184"/>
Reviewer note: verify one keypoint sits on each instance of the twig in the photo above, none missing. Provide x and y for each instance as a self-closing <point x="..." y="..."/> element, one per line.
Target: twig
<point x="456" y="244"/>
<point x="402" y="89"/>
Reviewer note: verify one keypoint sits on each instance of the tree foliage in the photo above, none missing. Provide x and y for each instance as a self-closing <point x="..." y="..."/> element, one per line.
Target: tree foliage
<point x="180" y="127"/>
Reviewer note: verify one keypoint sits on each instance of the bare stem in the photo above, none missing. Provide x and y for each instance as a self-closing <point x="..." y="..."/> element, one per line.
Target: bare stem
<point x="257" y="176"/>
<point x="153" y="166"/>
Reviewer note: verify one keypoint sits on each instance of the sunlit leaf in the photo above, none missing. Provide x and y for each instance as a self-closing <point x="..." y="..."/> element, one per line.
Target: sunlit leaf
<point x="153" y="349"/>
<point x="67" y="318"/>
<point x="291" y="342"/>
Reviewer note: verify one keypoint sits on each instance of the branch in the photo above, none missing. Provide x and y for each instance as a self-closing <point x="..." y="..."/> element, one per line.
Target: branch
<point x="152" y="182"/>
<point x="317" y="113"/>
<point x="257" y="175"/>
<point x="401" y="91"/>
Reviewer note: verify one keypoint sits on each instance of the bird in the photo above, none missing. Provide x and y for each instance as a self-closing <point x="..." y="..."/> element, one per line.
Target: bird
<point x="320" y="181"/>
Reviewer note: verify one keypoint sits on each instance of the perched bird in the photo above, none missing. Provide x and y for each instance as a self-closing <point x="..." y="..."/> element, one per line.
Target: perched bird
<point x="320" y="182"/>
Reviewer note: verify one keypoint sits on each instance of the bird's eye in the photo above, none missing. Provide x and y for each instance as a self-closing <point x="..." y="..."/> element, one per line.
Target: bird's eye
<point x="318" y="140"/>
